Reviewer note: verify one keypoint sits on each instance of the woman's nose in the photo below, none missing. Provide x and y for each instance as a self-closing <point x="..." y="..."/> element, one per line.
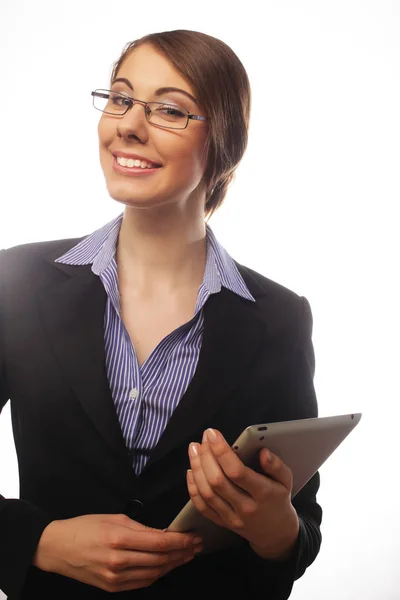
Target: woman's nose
<point x="133" y="121"/>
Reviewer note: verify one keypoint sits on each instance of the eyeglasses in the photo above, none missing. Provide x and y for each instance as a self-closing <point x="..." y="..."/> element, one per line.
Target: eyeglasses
<point x="169" y="116"/>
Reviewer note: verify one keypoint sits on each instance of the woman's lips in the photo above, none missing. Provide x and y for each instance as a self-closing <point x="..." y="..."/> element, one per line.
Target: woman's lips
<point x="133" y="171"/>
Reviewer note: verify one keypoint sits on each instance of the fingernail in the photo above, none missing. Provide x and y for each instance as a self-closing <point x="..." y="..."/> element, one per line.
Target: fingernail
<point x="193" y="450"/>
<point x="197" y="540"/>
<point x="211" y="435"/>
<point x="269" y="456"/>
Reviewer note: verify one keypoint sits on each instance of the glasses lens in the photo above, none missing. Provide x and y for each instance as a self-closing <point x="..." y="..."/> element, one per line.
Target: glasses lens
<point x="167" y="115"/>
<point x="110" y="102"/>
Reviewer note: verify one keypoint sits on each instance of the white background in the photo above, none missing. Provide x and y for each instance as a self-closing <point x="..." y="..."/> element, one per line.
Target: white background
<point x="312" y="207"/>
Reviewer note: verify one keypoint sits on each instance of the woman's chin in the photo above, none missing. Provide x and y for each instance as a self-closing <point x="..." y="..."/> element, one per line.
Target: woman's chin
<point x="128" y="194"/>
<point x="140" y="197"/>
<point x="136" y="200"/>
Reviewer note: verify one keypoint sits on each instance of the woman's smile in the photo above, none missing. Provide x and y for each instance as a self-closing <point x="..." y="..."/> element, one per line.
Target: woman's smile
<point x="133" y="168"/>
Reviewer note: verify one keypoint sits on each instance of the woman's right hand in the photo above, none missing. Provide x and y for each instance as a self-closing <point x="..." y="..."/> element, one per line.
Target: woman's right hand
<point x="112" y="552"/>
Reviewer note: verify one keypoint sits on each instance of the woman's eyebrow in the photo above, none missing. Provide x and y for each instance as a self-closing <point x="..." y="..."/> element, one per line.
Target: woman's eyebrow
<point x="160" y="91"/>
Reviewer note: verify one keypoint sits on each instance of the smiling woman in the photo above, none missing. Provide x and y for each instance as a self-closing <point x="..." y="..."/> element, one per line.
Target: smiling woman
<point x="149" y="350"/>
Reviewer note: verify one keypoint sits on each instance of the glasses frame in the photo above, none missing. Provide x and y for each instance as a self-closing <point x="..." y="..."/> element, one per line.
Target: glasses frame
<point x="145" y="104"/>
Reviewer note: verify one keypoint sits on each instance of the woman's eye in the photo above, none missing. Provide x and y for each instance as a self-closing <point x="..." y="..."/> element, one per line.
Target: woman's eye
<point x="172" y="111"/>
<point x="119" y="100"/>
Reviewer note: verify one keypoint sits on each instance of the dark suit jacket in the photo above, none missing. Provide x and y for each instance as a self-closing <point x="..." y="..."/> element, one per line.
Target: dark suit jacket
<point x="256" y="365"/>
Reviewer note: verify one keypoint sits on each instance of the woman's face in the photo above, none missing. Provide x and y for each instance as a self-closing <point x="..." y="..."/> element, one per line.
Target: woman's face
<point x="180" y="152"/>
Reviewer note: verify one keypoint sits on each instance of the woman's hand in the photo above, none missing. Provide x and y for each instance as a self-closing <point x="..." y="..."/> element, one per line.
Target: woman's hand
<point x="111" y="552"/>
<point x="230" y="494"/>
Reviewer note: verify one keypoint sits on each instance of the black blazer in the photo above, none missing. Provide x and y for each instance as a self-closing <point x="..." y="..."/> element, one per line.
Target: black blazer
<point x="256" y="365"/>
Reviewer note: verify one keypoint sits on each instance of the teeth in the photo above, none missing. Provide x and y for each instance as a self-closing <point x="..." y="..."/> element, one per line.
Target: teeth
<point x="130" y="162"/>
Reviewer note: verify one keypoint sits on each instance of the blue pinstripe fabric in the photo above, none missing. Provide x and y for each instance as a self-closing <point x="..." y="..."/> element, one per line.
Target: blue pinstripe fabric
<point x="161" y="381"/>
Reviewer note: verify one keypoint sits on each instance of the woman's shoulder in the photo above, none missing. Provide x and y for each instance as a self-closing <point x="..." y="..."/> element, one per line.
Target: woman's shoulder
<point x="275" y="304"/>
<point x="262" y="286"/>
<point x="26" y="259"/>
<point x="40" y="248"/>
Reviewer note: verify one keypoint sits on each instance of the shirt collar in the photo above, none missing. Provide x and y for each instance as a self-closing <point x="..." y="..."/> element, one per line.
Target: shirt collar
<point x="98" y="249"/>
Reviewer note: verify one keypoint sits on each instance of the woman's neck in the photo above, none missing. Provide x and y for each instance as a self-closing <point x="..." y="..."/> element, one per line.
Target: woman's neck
<point x="163" y="252"/>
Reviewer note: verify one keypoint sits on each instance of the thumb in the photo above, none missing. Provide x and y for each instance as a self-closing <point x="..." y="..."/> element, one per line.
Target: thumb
<point x="140" y="527"/>
<point x="125" y="521"/>
<point x="275" y="468"/>
<point x="266" y="461"/>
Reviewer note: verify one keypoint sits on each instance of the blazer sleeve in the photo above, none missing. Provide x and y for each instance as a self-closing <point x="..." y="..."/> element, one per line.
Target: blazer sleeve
<point x="298" y="391"/>
<point x="21" y="523"/>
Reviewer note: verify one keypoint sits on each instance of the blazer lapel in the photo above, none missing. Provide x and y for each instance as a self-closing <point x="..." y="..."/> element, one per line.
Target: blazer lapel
<point x="232" y="333"/>
<point x="72" y="310"/>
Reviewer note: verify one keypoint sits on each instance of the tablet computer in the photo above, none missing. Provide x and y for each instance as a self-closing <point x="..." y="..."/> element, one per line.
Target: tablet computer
<point x="303" y="445"/>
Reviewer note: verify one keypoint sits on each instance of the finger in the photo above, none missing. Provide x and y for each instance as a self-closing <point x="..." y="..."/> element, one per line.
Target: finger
<point x="135" y="578"/>
<point x="199" y="502"/>
<point x="128" y="522"/>
<point x="125" y="521"/>
<point x="121" y="560"/>
<point x="206" y="497"/>
<point x="138" y="578"/>
<point x="137" y="574"/>
<point x="238" y="473"/>
<point x="110" y="585"/>
<point x="276" y="468"/>
<point x="220" y="483"/>
<point x="151" y="541"/>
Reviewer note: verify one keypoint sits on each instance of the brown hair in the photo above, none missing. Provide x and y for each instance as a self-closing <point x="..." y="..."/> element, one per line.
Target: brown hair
<point x="222" y="87"/>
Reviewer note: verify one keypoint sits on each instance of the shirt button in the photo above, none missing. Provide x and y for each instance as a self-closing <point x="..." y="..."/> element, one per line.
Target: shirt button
<point x="134" y="394"/>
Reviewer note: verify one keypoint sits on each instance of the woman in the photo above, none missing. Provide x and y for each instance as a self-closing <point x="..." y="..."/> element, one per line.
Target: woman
<point x="135" y="356"/>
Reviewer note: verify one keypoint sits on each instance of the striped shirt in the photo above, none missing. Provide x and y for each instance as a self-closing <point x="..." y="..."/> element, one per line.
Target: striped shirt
<point x="146" y="396"/>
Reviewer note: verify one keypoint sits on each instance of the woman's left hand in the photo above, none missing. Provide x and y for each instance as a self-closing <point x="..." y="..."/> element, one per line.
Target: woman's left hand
<point x="234" y="496"/>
